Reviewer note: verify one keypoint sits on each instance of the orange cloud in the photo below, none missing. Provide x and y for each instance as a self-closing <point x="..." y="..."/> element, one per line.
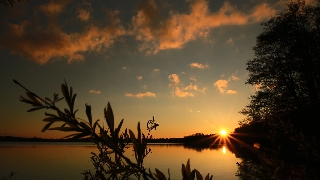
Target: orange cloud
<point x="95" y="91"/>
<point x="44" y="43"/>
<point x="261" y="12"/>
<point x="231" y="92"/>
<point x="174" y="80"/>
<point x="178" y="29"/>
<point x="52" y="8"/>
<point x="139" y="78"/>
<point x="198" y="65"/>
<point x="193" y="79"/>
<point x="234" y="78"/>
<point x="221" y="85"/>
<point x="141" y="95"/>
<point x="83" y="15"/>
<point x="179" y="90"/>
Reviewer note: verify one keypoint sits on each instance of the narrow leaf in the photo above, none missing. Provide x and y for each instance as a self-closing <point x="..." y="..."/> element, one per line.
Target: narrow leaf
<point x="184" y="173"/>
<point x="208" y="178"/>
<point x="133" y="137"/>
<point x="160" y="175"/>
<point x="188" y="171"/>
<point x="23" y="99"/>
<point x="65" y="92"/>
<point x="51" y="119"/>
<point x="46" y="126"/>
<point x="34" y="109"/>
<point x="198" y="175"/>
<point x="94" y="125"/>
<point x="72" y="102"/>
<point x="85" y="126"/>
<point x="88" y="112"/>
<point x="119" y="127"/>
<point x="47" y="99"/>
<point x="51" y="115"/>
<point x="34" y="99"/>
<point x="109" y="117"/>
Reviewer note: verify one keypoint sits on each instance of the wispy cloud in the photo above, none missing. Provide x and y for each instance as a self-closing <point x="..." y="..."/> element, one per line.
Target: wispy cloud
<point x="234" y="78"/>
<point x="141" y="95"/>
<point x="179" y="90"/>
<point x="139" y="78"/>
<point x="83" y="14"/>
<point x="95" y="91"/>
<point x="84" y="11"/>
<point x="192" y="78"/>
<point x="231" y="92"/>
<point x="198" y="65"/>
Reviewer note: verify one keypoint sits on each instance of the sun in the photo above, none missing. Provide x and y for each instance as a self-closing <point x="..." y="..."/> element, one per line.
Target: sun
<point x="223" y="133"/>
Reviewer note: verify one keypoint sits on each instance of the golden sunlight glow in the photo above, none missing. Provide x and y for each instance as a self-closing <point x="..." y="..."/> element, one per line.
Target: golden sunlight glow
<point x="223" y="133"/>
<point x="224" y="150"/>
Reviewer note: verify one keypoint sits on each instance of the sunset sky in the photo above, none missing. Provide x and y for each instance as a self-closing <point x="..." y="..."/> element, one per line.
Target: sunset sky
<point x="182" y="61"/>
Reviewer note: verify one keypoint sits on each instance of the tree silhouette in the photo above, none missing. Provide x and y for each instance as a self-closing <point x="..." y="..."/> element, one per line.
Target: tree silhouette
<point x="286" y="70"/>
<point x="11" y="2"/>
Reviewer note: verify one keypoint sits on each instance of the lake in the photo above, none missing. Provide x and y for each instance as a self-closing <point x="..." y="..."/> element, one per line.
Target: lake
<point x="65" y="160"/>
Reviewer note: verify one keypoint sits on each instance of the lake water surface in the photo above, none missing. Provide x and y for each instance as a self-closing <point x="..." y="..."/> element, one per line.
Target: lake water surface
<point x="62" y="160"/>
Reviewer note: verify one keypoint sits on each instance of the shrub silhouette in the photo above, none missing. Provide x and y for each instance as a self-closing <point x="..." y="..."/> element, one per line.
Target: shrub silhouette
<point x="110" y="162"/>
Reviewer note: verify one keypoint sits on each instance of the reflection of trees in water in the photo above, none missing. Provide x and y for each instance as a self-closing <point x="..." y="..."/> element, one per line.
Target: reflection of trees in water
<point x="249" y="169"/>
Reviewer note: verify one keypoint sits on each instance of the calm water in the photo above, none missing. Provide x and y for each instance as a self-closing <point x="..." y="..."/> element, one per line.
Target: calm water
<point x="68" y="160"/>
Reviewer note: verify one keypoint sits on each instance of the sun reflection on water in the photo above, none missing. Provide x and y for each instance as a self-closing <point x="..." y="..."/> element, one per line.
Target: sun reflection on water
<point x="224" y="150"/>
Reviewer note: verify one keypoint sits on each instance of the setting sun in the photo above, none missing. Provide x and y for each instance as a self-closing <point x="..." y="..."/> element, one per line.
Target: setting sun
<point x="223" y="133"/>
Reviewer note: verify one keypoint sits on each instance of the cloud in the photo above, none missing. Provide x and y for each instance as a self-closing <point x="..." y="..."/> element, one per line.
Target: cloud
<point x="231" y="92"/>
<point x="42" y="43"/>
<point x="221" y="85"/>
<point x="198" y="65"/>
<point x="174" y="80"/>
<point x="178" y="29"/>
<point x="141" y="95"/>
<point x="234" y="78"/>
<point x="52" y="8"/>
<point x="139" y="78"/>
<point x="95" y="91"/>
<point x="84" y="11"/>
<point x="83" y="14"/>
<point x="261" y="12"/>
<point x="230" y="41"/>
<point x="180" y="90"/>
<point x="193" y="79"/>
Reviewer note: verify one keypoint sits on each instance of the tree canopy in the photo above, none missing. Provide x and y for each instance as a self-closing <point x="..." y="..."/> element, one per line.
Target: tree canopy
<point x="286" y="74"/>
<point x="285" y="69"/>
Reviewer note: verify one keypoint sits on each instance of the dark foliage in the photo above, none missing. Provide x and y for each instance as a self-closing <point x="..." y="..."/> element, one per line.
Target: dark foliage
<point x="286" y="69"/>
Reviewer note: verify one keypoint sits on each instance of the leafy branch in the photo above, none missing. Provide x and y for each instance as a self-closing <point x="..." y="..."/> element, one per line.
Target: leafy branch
<point x="110" y="162"/>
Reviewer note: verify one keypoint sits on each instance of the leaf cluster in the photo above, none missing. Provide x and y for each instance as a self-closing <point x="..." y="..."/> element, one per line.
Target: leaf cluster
<point x="110" y="161"/>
